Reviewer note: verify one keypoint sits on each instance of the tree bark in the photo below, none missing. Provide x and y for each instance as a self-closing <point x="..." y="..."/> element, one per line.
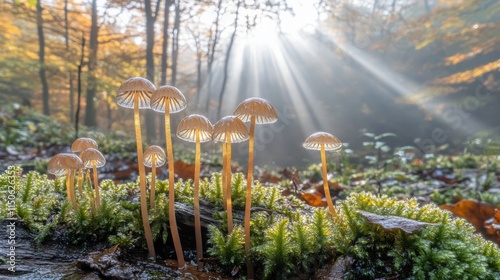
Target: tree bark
<point x="41" y="58"/>
<point x="226" y="62"/>
<point x="70" y="73"/>
<point x="90" y="111"/>
<point x="210" y="55"/>
<point x="164" y="46"/>
<point x="150" y="63"/>
<point x="175" y="42"/>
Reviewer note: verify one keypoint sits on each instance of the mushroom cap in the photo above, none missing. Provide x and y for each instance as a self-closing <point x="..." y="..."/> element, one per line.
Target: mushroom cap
<point x="90" y="156"/>
<point x="232" y="125"/>
<point x="83" y="143"/>
<point x="59" y="163"/>
<point x="317" y="139"/>
<point x="176" y="100"/>
<point x="188" y="126"/>
<point x="131" y="87"/>
<point x="159" y="153"/>
<point x="263" y="111"/>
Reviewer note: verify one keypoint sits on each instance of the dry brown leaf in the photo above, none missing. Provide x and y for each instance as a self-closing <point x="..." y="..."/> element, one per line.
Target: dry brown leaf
<point x="184" y="170"/>
<point x="394" y="222"/>
<point x="314" y="199"/>
<point x="473" y="211"/>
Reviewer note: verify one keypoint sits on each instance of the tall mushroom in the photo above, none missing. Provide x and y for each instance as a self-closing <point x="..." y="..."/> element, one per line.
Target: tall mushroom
<point x="92" y="158"/>
<point x="66" y="163"/>
<point x="136" y="93"/>
<point x="323" y="141"/>
<point x="154" y="156"/>
<point x="196" y="128"/>
<point x="78" y="146"/>
<point x="256" y="111"/>
<point x="229" y="130"/>
<point x="169" y="99"/>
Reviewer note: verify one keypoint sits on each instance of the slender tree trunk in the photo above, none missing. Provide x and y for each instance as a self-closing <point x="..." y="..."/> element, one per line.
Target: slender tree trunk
<point x="150" y="62"/>
<point x="90" y="111"/>
<point x="199" y="57"/>
<point x="79" y="79"/>
<point x="164" y="52"/>
<point x="175" y="42"/>
<point x="210" y="55"/>
<point x="70" y="73"/>
<point x="226" y="62"/>
<point x="164" y="45"/>
<point x="41" y="58"/>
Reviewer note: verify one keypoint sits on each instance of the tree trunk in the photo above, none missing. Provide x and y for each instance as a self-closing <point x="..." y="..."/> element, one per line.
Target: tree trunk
<point x="90" y="111"/>
<point x="210" y="55"/>
<point x="41" y="58"/>
<point x="164" y="45"/>
<point x="70" y="73"/>
<point x="150" y="62"/>
<point x="226" y="62"/>
<point x="175" y="42"/>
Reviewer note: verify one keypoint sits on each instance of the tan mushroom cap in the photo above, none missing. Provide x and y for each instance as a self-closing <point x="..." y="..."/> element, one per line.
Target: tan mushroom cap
<point x="159" y="154"/>
<point x="81" y="144"/>
<point x="131" y="87"/>
<point x="232" y="125"/>
<point x="189" y="125"/>
<point x="263" y="111"/>
<point x="317" y="139"/>
<point x="59" y="163"/>
<point x="176" y="100"/>
<point x="92" y="156"/>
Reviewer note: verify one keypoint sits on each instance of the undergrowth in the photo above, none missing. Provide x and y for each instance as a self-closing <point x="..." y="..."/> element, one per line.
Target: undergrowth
<point x="289" y="239"/>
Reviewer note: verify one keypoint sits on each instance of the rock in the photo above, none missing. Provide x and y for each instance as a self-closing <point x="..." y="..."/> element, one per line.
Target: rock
<point x="335" y="269"/>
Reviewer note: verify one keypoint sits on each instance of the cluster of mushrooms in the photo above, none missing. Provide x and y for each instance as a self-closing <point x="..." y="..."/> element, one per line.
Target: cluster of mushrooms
<point x="86" y="156"/>
<point x="139" y="93"/>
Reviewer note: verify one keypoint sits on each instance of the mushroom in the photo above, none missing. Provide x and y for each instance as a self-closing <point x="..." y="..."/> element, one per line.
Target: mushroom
<point x="323" y="141"/>
<point x="154" y="156"/>
<point x="229" y="130"/>
<point x="92" y="158"/>
<point x="196" y="128"/>
<point x="256" y="111"/>
<point x="66" y="163"/>
<point x="169" y="99"/>
<point x="136" y="93"/>
<point x="78" y="146"/>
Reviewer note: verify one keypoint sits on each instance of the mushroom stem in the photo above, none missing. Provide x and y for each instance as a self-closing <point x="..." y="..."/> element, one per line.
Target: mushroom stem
<point x="72" y="188"/>
<point x="152" y="199"/>
<point x="96" y="186"/>
<point x="142" y="180"/>
<point x="68" y="185"/>
<point x="228" y="186"/>
<point x="248" y="202"/>
<point x="325" y="182"/>
<point x="197" y="223"/>
<point x="171" y="195"/>
<point x="80" y="182"/>
<point x="224" y="174"/>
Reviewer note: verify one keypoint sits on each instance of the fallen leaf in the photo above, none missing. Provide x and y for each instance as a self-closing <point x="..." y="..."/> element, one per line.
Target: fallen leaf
<point x="314" y="198"/>
<point x="184" y="170"/>
<point x="394" y="222"/>
<point x="473" y="211"/>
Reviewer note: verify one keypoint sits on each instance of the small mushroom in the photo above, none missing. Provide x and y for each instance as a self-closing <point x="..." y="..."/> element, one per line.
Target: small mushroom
<point x="136" y="93"/>
<point x="169" y="99"/>
<point x="196" y="128"/>
<point x="154" y="156"/>
<point x="256" y="111"/>
<point x="323" y="141"/>
<point x="66" y="163"/>
<point x="92" y="158"/>
<point x="78" y="146"/>
<point x="229" y="130"/>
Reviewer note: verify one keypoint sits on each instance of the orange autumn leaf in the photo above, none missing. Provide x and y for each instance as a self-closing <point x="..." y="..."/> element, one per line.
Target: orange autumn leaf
<point x="184" y="170"/>
<point x="314" y="198"/>
<point x="473" y="211"/>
